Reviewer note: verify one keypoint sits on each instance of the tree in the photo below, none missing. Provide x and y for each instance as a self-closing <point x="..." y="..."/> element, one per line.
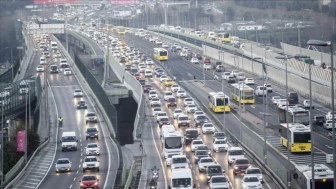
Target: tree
<point x="230" y="14"/>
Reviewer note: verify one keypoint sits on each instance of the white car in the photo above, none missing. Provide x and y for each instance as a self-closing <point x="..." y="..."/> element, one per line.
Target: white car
<point x="155" y="102"/>
<point x="90" y="162"/>
<point x="254" y="171"/>
<point x="194" y="60"/>
<point x="226" y="75"/>
<point x="40" y="68"/>
<point x="196" y="143"/>
<point x="163" y="77"/>
<point x="191" y="108"/>
<point x="42" y="60"/>
<point x="116" y="53"/>
<point x="251" y="182"/>
<point x="158" y="42"/>
<point x="249" y="81"/>
<point x="57" y="55"/>
<point x="135" y="61"/>
<point x="92" y="149"/>
<point x="260" y="91"/>
<point x="235" y="153"/>
<point x="152" y="39"/>
<point x="183" y="120"/>
<point x="142" y="69"/>
<point x="306" y="104"/>
<point x="241" y="76"/>
<point x="220" y="145"/>
<point x="148" y="73"/>
<point x="177" y="112"/>
<point x="329" y="115"/>
<point x="328" y="124"/>
<point x="179" y="161"/>
<point x="167" y="95"/>
<point x="183" y="54"/>
<point x="204" y="162"/>
<point x="208" y="128"/>
<point x="160" y="115"/>
<point x="219" y="181"/>
<point x="188" y="101"/>
<point x="175" y="88"/>
<point x="152" y="94"/>
<point x="156" y="111"/>
<point x="207" y="66"/>
<point x="198" y="113"/>
<point x="78" y="93"/>
<point x="149" y="62"/>
<point x="67" y="71"/>
<point x="181" y="94"/>
<point x="269" y="87"/>
<point x="275" y="99"/>
<point x="164" y="45"/>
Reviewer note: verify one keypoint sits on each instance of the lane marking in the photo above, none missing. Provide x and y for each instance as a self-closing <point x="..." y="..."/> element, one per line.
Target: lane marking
<point x="70" y="186"/>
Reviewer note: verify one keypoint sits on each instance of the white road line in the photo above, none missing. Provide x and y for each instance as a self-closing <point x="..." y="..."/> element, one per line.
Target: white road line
<point x="70" y="186"/>
<point x="74" y="179"/>
<point x="162" y="167"/>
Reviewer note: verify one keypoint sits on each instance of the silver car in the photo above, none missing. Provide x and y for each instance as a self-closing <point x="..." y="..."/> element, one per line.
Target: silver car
<point x="63" y="165"/>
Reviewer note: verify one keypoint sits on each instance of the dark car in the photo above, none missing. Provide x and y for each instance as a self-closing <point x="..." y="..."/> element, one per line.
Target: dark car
<point x="81" y="105"/>
<point x="293" y="98"/>
<point x="199" y="56"/>
<point x="91" y="132"/>
<point x="128" y="67"/>
<point x="206" y="148"/>
<point x="122" y="59"/>
<point x="171" y="102"/>
<point x="200" y="120"/>
<point x="53" y="69"/>
<point x="213" y="170"/>
<point x="319" y="120"/>
<point x="173" y="49"/>
<point x="142" y="82"/>
<point x="190" y="135"/>
<point x="164" y="121"/>
<point x="231" y="80"/>
<point x="200" y="154"/>
<point x="240" y="165"/>
<point x="218" y="135"/>
<point x="188" y="56"/>
<point x="147" y="88"/>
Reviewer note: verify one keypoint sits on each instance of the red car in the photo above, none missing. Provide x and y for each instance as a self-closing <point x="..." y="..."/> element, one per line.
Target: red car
<point x="137" y="76"/>
<point x="207" y="60"/>
<point x="89" y="181"/>
<point x="240" y="165"/>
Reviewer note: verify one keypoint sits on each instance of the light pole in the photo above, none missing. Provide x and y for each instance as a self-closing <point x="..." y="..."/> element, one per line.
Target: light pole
<point x="325" y="44"/>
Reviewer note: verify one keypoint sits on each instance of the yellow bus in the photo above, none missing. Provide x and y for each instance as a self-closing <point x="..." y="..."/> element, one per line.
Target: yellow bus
<point x="299" y="138"/>
<point x="161" y="53"/>
<point x="224" y="37"/>
<point x="219" y="102"/>
<point x="121" y="30"/>
<point x="242" y="93"/>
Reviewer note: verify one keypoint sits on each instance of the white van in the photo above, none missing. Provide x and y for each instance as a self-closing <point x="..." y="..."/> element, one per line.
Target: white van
<point x="69" y="141"/>
<point x="42" y="60"/>
<point x="211" y="35"/>
<point x="260" y="91"/>
<point x="181" y="177"/>
<point x="53" y="45"/>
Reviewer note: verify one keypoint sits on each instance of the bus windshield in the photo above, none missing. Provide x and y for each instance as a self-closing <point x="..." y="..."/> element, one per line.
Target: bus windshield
<point x="248" y="95"/>
<point x="220" y="102"/>
<point x="302" y="137"/>
<point x="163" y="53"/>
<point x="173" y="142"/>
<point x="301" y="117"/>
<point x="181" y="182"/>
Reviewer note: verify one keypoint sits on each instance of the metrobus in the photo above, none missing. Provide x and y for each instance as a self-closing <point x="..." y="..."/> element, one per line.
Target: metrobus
<point x="301" y="177"/>
<point x="224" y="37"/>
<point x="242" y="93"/>
<point x="181" y="178"/>
<point x="299" y="138"/>
<point x="121" y="30"/>
<point x="172" y="143"/>
<point x="219" y="102"/>
<point x="295" y="115"/>
<point x="161" y="53"/>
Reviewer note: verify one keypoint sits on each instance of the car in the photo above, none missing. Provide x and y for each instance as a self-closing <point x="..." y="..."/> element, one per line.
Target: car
<point x="158" y="42"/>
<point x="234" y="153"/>
<point x="190" y="108"/>
<point x="128" y="67"/>
<point x="206" y="60"/>
<point x="268" y="87"/>
<point x="255" y="171"/>
<point x="67" y="71"/>
<point x="116" y="53"/>
<point x="220" y="145"/>
<point x="147" y="87"/>
<point x="200" y="120"/>
<point x="194" y="60"/>
<point x="306" y="104"/>
<point x="164" y="45"/>
<point x="181" y="94"/>
<point x="78" y="93"/>
<point x="240" y="165"/>
<point x="219" y="68"/>
<point x="89" y="182"/>
<point x="92" y="149"/>
<point x="142" y="82"/>
<point x="91" y="117"/>
<point x="241" y="76"/>
<point x="168" y="82"/>
<point x="231" y="79"/>
<point x="43" y="60"/>
<point x="161" y="114"/>
<point x="196" y="143"/>
<point x="177" y="112"/>
<point x="159" y="73"/>
<point x="219" y="135"/>
<point x="148" y="73"/>
<point x="156" y="111"/>
<point x="57" y="55"/>
<point x="204" y="162"/>
<point x="179" y="161"/>
<point x="219" y="181"/>
<point x="155" y="102"/>
<point x="319" y="120"/>
<point x="149" y="62"/>
<point x="152" y="94"/>
<point x="53" y="69"/>
<point x="174" y="88"/>
<point x="200" y="154"/>
<point x="137" y="76"/>
<point x="163" y="121"/>
<point x="275" y="99"/>
<point x="169" y="159"/>
<point x="249" y="81"/>
<point x="81" y="104"/>
<point x="251" y="182"/>
<point x="329" y="115"/>
<point x="207" y="66"/>
<point x="167" y="95"/>
<point x="134" y="71"/>
<point x="213" y="170"/>
<point x="171" y="102"/>
<point x="90" y="163"/>
<point x="183" y="120"/>
<point x="64" y="63"/>
<point x="206" y="148"/>
<point x="260" y="91"/>
<point x="40" y="68"/>
<point x="152" y="39"/>
<point x="198" y="113"/>
<point x="122" y="59"/>
<point x="183" y="54"/>
<point x="328" y="124"/>
<point x="142" y="69"/>
<point x="92" y="132"/>
<point x="135" y="61"/>
<point x="63" y="165"/>
<point x="190" y="135"/>
<point x="163" y="78"/>
<point x="208" y="128"/>
<point x="188" y="101"/>
<point x="199" y="56"/>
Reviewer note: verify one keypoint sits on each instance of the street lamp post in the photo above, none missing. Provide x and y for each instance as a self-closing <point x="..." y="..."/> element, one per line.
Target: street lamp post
<point x="325" y="44"/>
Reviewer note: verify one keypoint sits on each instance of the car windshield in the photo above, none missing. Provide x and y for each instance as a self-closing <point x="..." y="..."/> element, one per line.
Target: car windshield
<point x="90" y="159"/>
<point x="188" y="100"/>
<point x="241" y="161"/>
<point x="169" y="94"/>
<point x="69" y="139"/>
<point x="191" y="133"/>
<point x="201" y="152"/>
<point x="180" y="160"/>
<point x="63" y="161"/>
<point x="206" y="160"/>
<point x="197" y="142"/>
<point x="178" y="111"/>
<point x="157" y="110"/>
<point x="191" y="106"/>
<point x="162" y="114"/>
<point x="148" y="86"/>
<point x="219" y="134"/>
<point x="78" y="91"/>
<point x="164" y="119"/>
<point x="173" y="142"/>
<point x="81" y="102"/>
<point x="88" y="178"/>
<point x="253" y="171"/>
<point x="155" y="99"/>
<point x="183" y="118"/>
<point x="214" y="169"/>
<point x="180" y="91"/>
<point x="181" y="182"/>
<point x="152" y="92"/>
<point x="251" y="179"/>
<point x="202" y="148"/>
<point x="207" y="125"/>
<point x="236" y="152"/>
<point x="91" y="130"/>
<point x="220" y="142"/>
<point x="92" y="145"/>
<point x="90" y="114"/>
<point x="201" y="117"/>
<point x="218" y="179"/>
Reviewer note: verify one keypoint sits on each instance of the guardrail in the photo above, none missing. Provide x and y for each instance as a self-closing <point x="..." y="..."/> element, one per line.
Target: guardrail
<point x="92" y="51"/>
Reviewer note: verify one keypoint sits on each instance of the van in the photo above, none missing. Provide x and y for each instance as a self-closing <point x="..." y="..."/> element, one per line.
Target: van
<point x="69" y="141"/>
<point x="260" y="91"/>
<point x="293" y="98"/>
<point x="42" y="60"/>
<point x="167" y="128"/>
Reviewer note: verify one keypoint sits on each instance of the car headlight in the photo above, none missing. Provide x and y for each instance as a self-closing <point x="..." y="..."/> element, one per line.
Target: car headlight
<point x="96" y="134"/>
<point x="84" y="165"/>
<point x="259" y="184"/>
<point x="97" y="164"/>
<point x="96" y="183"/>
<point x="260" y="177"/>
<point x="208" y="177"/>
<point x="236" y="167"/>
<point x="81" y="184"/>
